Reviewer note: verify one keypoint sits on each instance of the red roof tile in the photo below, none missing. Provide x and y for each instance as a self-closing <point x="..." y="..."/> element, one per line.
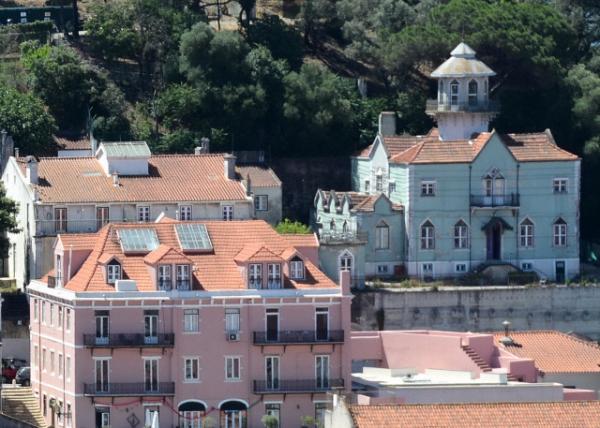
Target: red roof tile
<point x="171" y="178"/>
<point x="73" y="143"/>
<point x="554" y="352"/>
<point x="215" y="270"/>
<point x="565" y="414"/>
<point x="260" y="176"/>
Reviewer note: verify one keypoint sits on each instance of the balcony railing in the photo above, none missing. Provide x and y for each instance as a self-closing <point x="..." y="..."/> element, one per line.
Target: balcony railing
<point x="330" y="237"/>
<point x="298" y="337"/>
<point x="434" y="106"/>
<point x="183" y="284"/>
<point x="129" y="340"/>
<point x="302" y="386"/>
<point x="128" y="389"/>
<point x="507" y="200"/>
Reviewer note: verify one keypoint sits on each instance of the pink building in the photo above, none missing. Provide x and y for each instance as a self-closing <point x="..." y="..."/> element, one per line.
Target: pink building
<point x="187" y="323"/>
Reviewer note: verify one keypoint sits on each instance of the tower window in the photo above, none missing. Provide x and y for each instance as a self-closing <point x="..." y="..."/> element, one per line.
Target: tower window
<point x="454" y="87"/>
<point x="472" y="93"/>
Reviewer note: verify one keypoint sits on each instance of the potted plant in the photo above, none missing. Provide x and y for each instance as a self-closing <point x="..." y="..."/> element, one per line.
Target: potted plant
<point x="270" y="421"/>
<point x="307" y="421"/>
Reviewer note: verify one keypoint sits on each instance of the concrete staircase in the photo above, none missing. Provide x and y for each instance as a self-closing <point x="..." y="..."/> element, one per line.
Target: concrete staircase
<point x="20" y="403"/>
<point x="484" y="366"/>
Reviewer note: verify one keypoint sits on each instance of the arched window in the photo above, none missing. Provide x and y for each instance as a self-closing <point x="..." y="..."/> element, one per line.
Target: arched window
<point x="191" y="414"/>
<point x="461" y="235"/>
<point x="382" y="236"/>
<point x="346" y="261"/>
<point x="559" y="229"/>
<point x="233" y="414"/>
<point x="526" y="233"/>
<point x="493" y="185"/>
<point x="473" y="93"/>
<point x="454" y="89"/>
<point x="113" y="271"/>
<point x="427" y="236"/>
<point x="332" y="225"/>
<point x="345" y="227"/>
<point x="441" y="92"/>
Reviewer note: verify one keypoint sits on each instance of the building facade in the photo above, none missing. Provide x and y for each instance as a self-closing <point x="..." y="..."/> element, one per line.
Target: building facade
<point x="471" y="198"/>
<point x="194" y="324"/>
<point x="124" y="182"/>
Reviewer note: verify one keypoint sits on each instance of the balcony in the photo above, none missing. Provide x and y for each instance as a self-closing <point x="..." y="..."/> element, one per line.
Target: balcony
<point x="131" y="340"/>
<point x="329" y="237"/>
<point x="302" y="386"/>
<point x="298" y="337"/>
<point x="434" y="106"/>
<point x="485" y="201"/>
<point x="128" y="389"/>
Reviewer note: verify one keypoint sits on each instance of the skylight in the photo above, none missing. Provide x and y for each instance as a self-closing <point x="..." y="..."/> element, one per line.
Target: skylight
<point x="138" y="240"/>
<point x="193" y="236"/>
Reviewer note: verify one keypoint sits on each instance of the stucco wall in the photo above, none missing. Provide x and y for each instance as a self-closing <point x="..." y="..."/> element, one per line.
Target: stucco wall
<point x="481" y="309"/>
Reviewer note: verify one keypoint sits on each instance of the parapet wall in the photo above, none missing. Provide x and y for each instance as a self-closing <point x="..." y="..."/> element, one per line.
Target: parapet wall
<point x="567" y="309"/>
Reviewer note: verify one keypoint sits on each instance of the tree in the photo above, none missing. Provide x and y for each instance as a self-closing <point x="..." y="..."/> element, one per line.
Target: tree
<point x="8" y="221"/>
<point x="24" y="117"/>
<point x="282" y="40"/>
<point x="316" y="16"/>
<point x="292" y="227"/>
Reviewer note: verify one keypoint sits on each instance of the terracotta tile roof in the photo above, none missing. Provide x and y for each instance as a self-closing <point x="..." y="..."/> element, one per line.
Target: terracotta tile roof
<point x="260" y="176"/>
<point x="300" y="240"/>
<point x="166" y="254"/>
<point x="77" y="241"/>
<point x="256" y="253"/>
<point x="81" y="142"/>
<point x="215" y="270"/>
<point x="368" y="204"/>
<point x="554" y="352"/>
<point x="396" y="144"/>
<point x="535" y="147"/>
<point x="171" y="178"/>
<point x="564" y="414"/>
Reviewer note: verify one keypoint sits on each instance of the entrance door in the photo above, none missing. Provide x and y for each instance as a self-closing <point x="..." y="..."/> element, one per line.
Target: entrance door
<point x="322" y="323"/>
<point x="102" y="417"/>
<point x="102" y="367"/>
<point x="272" y="325"/>
<point x="494" y="242"/>
<point x="559" y="267"/>
<point x="151" y="375"/>
<point x="272" y="372"/>
<point x="322" y="371"/>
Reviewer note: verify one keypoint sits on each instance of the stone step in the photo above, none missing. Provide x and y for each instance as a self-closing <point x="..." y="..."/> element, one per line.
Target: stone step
<point x="20" y="403"/>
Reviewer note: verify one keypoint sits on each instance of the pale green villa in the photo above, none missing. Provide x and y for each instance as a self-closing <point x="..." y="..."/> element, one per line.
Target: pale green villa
<point x="459" y="198"/>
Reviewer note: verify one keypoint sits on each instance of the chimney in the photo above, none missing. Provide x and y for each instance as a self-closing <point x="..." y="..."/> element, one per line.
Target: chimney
<point x="387" y="123"/>
<point x="32" y="170"/>
<point x="229" y="166"/>
<point x="197" y="150"/>
<point x="205" y="144"/>
<point x="248" y="185"/>
<point x="345" y="281"/>
<point x="115" y="177"/>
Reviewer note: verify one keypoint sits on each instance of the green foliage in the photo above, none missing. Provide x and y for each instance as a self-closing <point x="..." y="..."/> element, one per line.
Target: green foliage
<point x="288" y="226"/>
<point x="270" y="421"/>
<point x="39" y="31"/>
<point x="282" y="40"/>
<point x="8" y="222"/>
<point x="24" y="117"/>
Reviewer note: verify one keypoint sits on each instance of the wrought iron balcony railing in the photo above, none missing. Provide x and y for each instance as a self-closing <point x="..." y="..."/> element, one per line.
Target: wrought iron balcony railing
<point x="504" y="200"/>
<point x="129" y="340"/>
<point x="434" y="106"/>
<point x="128" y="389"/>
<point x="298" y="337"/>
<point x="300" y="386"/>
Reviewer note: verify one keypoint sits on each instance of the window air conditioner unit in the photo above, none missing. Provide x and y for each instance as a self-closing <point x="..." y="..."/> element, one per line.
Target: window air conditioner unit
<point x="233" y="337"/>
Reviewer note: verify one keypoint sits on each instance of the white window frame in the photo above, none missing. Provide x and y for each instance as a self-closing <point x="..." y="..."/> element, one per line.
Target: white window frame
<point x="559" y="233"/>
<point x="191" y="369"/>
<point x="297" y="269"/>
<point x="461" y="235"/>
<point x="454" y="93"/>
<point x="460" y="268"/>
<point x="325" y="377"/>
<point x="233" y="368"/>
<point x="383" y="269"/>
<point x="427" y="269"/>
<point x="232" y="320"/>
<point x="191" y="320"/>
<point x="428" y="188"/>
<point x="472" y="97"/>
<point x="367" y="186"/>
<point x="255" y="276"/>
<point x="68" y="368"/>
<point x="61" y="218"/>
<point x="143" y="213"/>
<point x="113" y="273"/>
<point x="379" y="183"/>
<point x="60" y="365"/>
<point x="560" y="185"/>
<point x="427" y="235"/>
<point x="261" y="202"/>
<point x="165" y="277"/>
<point x="185" y="212"/>
<point x="102" y="216"/>
<point x="382" y="236"/>
<point x="346" y="255"/>
<point x="182" y="274"/>
<point x="526" y="233"/>
<point x="227" y="211"/>
<point x="527" y="266"/>
<point x="274" y="279"/>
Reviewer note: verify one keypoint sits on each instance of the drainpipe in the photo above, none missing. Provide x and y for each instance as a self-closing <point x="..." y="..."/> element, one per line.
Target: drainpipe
<point x="518" y="195"/>
<point x="70" y="258"/>
<point x="470" y="222"/>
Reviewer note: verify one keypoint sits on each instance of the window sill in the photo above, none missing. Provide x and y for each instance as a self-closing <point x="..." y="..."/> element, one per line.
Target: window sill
<point x="427" y="196"/>
<point x="190" y="381"/>
<point x="190" y="332"/>
<point x="233" y="381"/>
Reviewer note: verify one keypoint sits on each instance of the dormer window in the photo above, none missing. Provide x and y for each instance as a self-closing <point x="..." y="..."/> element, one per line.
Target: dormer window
<point x="255" y="276"/>
<point x="113" y="272"/>
<point x="164" y="278"/>
<point x="379" y="183"/>
<point x="274" y="280"/>
<point x="297" y="269"/>
<point x="183" y="277"/>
